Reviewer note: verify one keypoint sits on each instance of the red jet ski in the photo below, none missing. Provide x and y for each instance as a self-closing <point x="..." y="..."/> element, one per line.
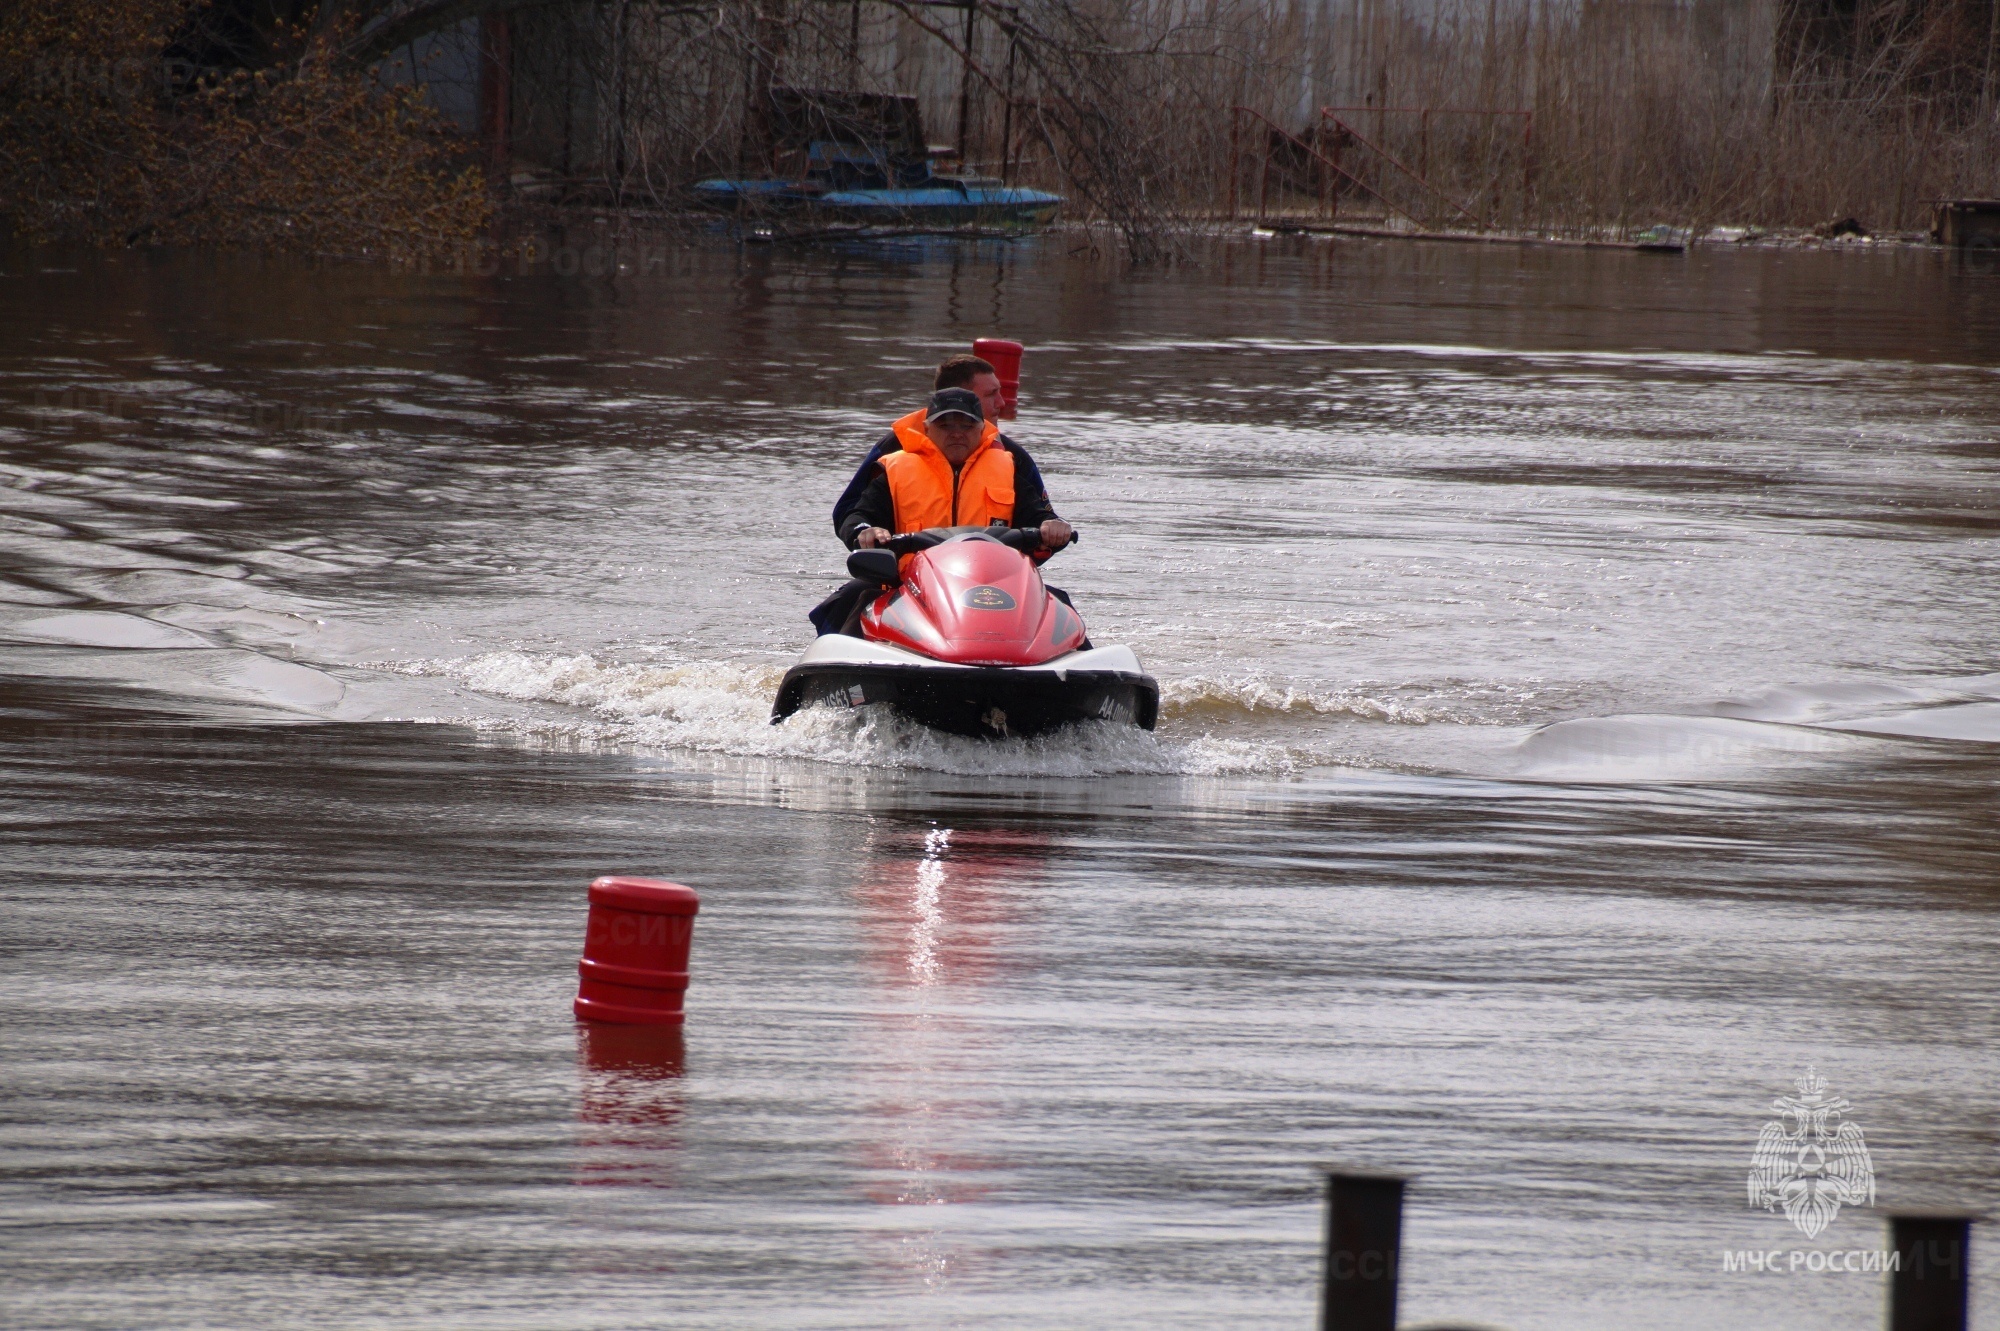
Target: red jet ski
<point x="967" y="639"/>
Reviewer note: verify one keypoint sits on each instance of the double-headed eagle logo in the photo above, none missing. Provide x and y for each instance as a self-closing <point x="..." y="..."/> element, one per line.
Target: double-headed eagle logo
<point x="1807" y="1163"/>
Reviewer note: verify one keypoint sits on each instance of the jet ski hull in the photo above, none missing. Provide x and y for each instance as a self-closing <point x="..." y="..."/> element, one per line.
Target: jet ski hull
<point x="991" y="702"/>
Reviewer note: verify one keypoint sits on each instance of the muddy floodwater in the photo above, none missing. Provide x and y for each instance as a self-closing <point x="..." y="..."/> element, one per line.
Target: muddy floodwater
<point x="1581" y="717"/>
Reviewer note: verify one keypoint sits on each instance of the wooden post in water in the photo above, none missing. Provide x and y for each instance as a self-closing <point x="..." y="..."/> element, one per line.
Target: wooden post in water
<point x="1927" y="1291"/>
<point x="1364" y="1240"/>
<point x="965" y="88"/>
<point x="757" y="149"/>
<point x="496" y="98"/>
<point x="1528" y="209"/>
<point x="1424" y="141"/>
<point x="1235" y="155"/>
<point x="1264" y="180"/>
<point x="1007" y="116"/>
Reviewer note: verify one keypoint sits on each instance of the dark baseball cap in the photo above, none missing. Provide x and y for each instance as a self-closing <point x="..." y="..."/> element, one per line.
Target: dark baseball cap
<point x="954" y="402"/>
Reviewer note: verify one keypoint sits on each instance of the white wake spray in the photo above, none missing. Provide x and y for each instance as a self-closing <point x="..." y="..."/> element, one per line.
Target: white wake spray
<point x="725" y="707"/>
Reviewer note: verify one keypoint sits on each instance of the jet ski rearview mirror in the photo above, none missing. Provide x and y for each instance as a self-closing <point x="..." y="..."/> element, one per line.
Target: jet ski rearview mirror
<point x="877" y="566"/>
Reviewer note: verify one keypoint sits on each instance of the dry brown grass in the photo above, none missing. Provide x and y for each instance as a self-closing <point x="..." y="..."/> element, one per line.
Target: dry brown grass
<point x="1686" y="112"/>
<point x="105" y="139"/>
<point x="1644" y="113"/>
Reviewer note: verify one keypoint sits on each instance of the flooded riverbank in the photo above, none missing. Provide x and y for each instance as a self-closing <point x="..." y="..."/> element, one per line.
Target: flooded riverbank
<point x="1580" y="685"/>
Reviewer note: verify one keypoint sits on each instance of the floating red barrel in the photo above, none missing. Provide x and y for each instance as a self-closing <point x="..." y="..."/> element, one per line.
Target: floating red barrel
<point x="635" y="952"/>
<point x="1005" y="358"/>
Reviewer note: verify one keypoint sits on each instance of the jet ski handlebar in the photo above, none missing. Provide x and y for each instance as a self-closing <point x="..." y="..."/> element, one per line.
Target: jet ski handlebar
<point x="1025" y="539"/>
<point x="879" y="565"/>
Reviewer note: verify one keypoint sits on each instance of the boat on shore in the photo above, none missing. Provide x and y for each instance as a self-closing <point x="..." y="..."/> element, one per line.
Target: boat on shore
<point x="859" y="160"/>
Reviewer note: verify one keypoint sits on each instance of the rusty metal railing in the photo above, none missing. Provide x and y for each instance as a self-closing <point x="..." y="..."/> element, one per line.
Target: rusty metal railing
<point x="1345" y="134"/>
<point x="1332" y="196"/>
<point x="1421" y="174"/>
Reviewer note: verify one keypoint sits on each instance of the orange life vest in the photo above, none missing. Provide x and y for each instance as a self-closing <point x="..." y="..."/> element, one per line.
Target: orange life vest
<point x="927" y="494"/>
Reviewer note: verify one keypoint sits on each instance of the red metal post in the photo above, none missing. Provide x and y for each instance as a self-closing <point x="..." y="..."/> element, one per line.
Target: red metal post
<point x="1338" y="171"/>
<point x="1325" y="184"/>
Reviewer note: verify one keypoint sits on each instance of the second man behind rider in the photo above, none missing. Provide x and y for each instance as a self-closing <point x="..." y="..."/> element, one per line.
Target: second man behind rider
<point x="978" y="377"/>
<point x="952" y="471"/>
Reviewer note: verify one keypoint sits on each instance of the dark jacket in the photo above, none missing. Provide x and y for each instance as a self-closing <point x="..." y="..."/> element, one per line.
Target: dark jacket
<point x="866" y="501"/>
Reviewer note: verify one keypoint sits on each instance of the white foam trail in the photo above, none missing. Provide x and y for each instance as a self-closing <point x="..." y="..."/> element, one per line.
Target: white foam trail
<point x="1972" y="723"/>
<point x="725" y="707"/>
<point x="1670" y="748"/>
<point x="1202" y="695"/>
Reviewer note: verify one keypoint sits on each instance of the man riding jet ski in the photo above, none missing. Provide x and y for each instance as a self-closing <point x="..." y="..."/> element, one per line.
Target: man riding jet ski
<point x="959" y="371"/>
<point x="947" y="620"/>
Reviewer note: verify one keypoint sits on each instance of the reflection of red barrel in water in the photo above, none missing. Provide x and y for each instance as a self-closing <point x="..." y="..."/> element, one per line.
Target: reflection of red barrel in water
<point x="1005" y="358"/>
<point x="629" y="1079"/>
<point x="630" y="1075"/>
<point x="635" y="952"/>
<point x="628" y="1056"/>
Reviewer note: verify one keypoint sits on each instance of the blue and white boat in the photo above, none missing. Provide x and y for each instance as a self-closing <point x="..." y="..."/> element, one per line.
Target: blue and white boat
<point x="860" y="160"/>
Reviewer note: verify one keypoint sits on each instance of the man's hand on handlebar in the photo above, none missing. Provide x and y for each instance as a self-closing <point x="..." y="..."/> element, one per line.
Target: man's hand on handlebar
<point x="1051" y="536"/>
